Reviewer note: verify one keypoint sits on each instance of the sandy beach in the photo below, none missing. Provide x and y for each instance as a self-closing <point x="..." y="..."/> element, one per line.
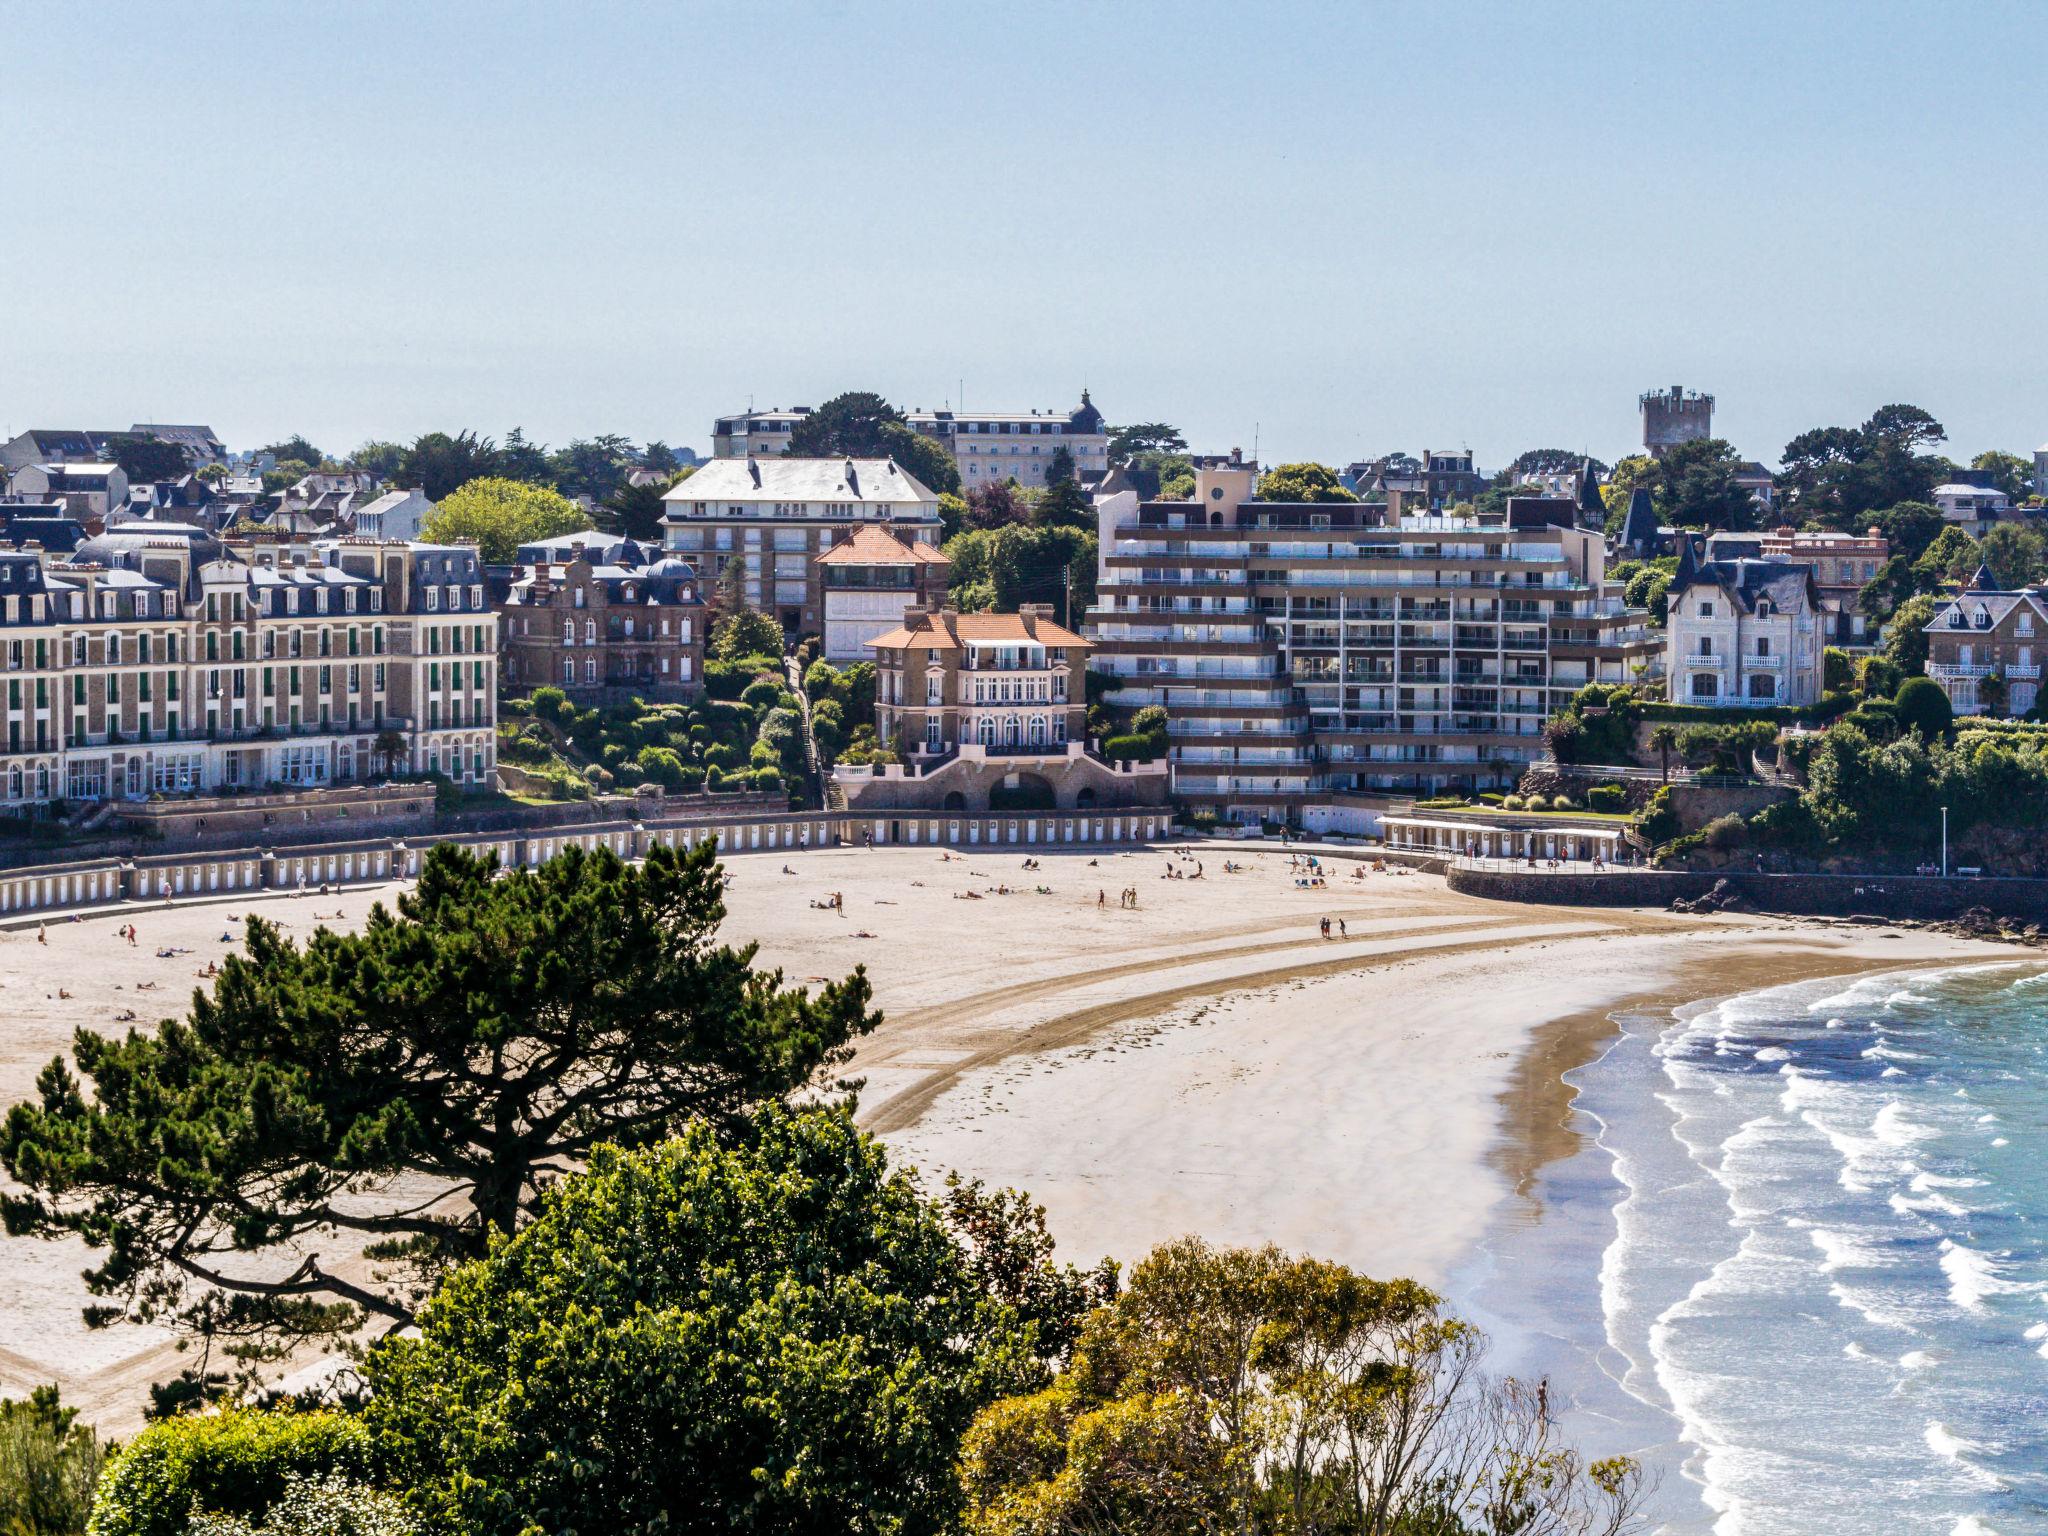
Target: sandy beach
<point x="1204" y="1062"/>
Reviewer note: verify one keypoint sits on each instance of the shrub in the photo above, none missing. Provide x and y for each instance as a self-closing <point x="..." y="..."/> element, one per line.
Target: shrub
<point x="1563" y="803"/>
<point x="1607" y="797"/>
<point x="1660" y="821"/>
<point x="1923" y="708"/>
<point x="1880" y="678"/>
<point x="49" y="1463"/>
<point x="1511" y="802"/>
<point x="235" y="1462"/>
<point x="764" y="693"/>
<point x="328" y="1506"/>
<point x="551" y="704"/>
<point x="766" y="778"/>
<point x="1728" y="831"/>
<point x="1132" y="749"/>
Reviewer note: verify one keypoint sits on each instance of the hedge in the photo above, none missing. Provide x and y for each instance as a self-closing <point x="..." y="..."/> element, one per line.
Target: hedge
<point x="1829" y="708"/>
<point x="233" y="1462"/>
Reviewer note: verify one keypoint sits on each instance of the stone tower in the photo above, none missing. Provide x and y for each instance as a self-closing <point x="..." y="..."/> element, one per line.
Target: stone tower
<point x="1673" y="416"/>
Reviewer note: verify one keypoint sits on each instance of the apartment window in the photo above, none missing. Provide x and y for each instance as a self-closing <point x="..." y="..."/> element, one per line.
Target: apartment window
<point x="1706" y="610"/>
<point x="590" y="670"/>
<point x="1705" y="685"/>
<point x="568" y="631"/>
<point x="568" y="671"/>
<point x="1763" y="645"/>
<point x="1706" y="647"/>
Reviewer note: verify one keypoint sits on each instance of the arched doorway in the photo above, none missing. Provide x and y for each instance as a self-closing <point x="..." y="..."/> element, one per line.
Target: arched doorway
<point x="1022" y="792"/>
<point x="954" y="801"/>
<point x="1085" y="800"/>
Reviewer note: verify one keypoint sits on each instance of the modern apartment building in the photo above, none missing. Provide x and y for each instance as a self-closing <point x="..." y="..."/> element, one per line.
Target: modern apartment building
<point x="775" y="516"/>
<point x="1310" y="652"/>
<point x="989" y="446"/>
<point x="1984" y="634"/>
<point x="159" y="660"/>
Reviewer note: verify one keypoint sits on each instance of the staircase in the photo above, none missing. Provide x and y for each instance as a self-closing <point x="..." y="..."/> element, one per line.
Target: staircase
<point x="827" y="790"/>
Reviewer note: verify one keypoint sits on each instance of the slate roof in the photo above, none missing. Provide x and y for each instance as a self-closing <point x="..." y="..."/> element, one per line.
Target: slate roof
<point x="800" y="480"/>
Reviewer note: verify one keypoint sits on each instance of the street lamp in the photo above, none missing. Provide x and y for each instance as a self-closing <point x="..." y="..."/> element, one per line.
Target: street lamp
<point x="1944" y="842"/>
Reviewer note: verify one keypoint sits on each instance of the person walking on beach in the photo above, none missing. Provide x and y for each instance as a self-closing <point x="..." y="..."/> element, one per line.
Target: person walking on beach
<point x="42" y="933"/>
<point x="1101" y="898"/>
<point x="1326" y="927"/>
<point x="1342" y="931"/>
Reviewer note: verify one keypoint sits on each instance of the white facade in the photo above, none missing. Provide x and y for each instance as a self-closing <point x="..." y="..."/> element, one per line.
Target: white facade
<point x="853" y="617"/>
<point x="1737" y="644"/>
<point x="394" y="515"/>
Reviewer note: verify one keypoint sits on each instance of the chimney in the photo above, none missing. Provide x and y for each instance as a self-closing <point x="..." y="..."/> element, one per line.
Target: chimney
<point x="754" y="469"/>
<point x="949" y="616"/>
<point x="1031" y="613"/>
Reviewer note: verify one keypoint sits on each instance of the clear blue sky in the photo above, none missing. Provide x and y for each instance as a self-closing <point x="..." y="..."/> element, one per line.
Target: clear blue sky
<point x="1359" y="227"/>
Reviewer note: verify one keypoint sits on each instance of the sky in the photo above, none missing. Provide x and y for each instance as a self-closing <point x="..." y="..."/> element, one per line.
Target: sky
<point x="1327" y="231"/>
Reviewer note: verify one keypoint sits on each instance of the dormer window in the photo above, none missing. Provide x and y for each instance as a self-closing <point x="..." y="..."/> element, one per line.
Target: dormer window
<point x="1763" y="608"/>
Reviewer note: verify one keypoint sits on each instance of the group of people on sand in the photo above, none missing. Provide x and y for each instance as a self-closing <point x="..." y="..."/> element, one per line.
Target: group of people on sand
<point x="834" y="901"/>
<point x="1127" y="898"/>
<point x="1342" y="931"/>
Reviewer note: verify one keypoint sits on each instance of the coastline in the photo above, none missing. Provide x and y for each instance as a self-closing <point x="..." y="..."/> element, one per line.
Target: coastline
<point x="1205" y="1061"/>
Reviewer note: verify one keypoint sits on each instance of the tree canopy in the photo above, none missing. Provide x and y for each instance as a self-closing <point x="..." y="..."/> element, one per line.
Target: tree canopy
<point x="2010" y="472"/>
<point x="1839" y="476"/>
<point x="379" y="459"/>
<point x="49" y="1463"/>
<point x="1302" y="482"/>
<point x="862" y="425"/>
<point x="1125" y="443"/>
<point x="768" y="1332"/>
<point x="499" y="515"/>
<point x="637" y="510"/>
<point x="1552" y="461"/>
<point x="145" y="460"/>
<point x="1002" y="567"/>
<point x="294" y="447"/>
<point x="1249" y="1390"/>
<point x="483" y="1038"/>
<point x="437" y="463"/>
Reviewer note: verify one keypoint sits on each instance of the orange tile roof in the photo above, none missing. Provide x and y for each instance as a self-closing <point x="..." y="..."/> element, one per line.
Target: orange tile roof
<point x="975" y="628"/>
<point x="878" y="546"/>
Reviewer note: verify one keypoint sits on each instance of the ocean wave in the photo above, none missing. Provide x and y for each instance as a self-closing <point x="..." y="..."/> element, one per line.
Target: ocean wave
<point x="1957" y="1451"/>
<point x="1884" y="1050"/>
<point x="1844" y="1250"/>
<point x="1774" y="1053"/>
<point x="1970" y="1525"/>
<point x="1975" y="1277"/>
<point x="1872" y="1308"/>
<point x="1917" y="1360"/>
<point x="1893" y="1128"/>
<point x="1910" y="1205"/>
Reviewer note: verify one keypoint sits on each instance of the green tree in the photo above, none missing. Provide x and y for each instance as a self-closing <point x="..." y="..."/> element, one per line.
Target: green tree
<point x="1060" y="467"/>
<point x="770" y="1332"/>
<point x="747" y="632"/>
<point x="1063" y="504"/>
<point x="49" y="1463"/>
<point x="379" y="459"/>
<point x="637" y="511"/>
<point x="1839" y="476"/>
<point x="1910" y="526"/>
<point x="594" y="467"/>
<point x="1249" y="1390"/>
<point x="1663" y="738"/>
<point x="660" y="458"/>
<point x="521" y="460"/>
<point x="1302" y="482"/>
<point x="438" y="464"/>
<point x="846" y="426"/>
<point x="2015" y="553"/>
<point x="1953" y="556"/>
<point x="145" y="460"/>
<point x="1144" y="437"/>
<point x="1694" y="487"/>
<point x="499" y="515"/>
<point x="1905" y="637"/>
<point x="328" y="1506"/>
<point x="1161" y="476"/>
<point x="294" y="447"/>
<point x="481" y="1039"/>
<point x="236" y="1463"/>
<point x="1552" y="461"/>
<point x="929" y="461"/>
<point x="1924" y="708"/>
<point x="2009" y="472"/>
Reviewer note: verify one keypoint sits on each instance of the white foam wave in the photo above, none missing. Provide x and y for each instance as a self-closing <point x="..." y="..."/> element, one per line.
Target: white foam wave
<point x="1774" y="1053"/>
<point x="1843" y="1250"/>
<point x="1970" y="1525"/>
<point x="1974" y="1277"/>
<point x="1893" y="1128"/>
<point x="1957" y="1450"/>
<point x="1916" y="1360"/>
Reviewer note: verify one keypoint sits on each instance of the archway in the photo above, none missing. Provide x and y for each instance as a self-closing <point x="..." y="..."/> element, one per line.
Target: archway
<point x="1022" y="792"/>
<point x="954" y="801"/>
<point x="1085" y="800"/>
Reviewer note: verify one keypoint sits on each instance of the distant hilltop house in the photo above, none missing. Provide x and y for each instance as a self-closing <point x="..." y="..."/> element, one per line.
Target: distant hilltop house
<point x="87" y="489"/>
<point x="1743" y="632"/>
<point x="775" y="516"/>
<point x="1973" y="507"/>
<point x="1440" y="479"/>
<point x="989" y="446"/>
<point x="1981" y="648"/>
<point x="48" y="445"/>
<point x="394" y="515"/>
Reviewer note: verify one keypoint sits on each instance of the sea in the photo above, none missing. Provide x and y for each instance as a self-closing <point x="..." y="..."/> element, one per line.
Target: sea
<point x="1799" y="1266"/>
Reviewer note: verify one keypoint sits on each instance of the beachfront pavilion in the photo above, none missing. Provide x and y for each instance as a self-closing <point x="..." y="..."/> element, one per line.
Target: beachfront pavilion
<point x="1469" y="837"/>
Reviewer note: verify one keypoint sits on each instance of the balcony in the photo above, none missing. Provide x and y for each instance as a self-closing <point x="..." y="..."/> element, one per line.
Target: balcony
<point x="1948" y="671"/>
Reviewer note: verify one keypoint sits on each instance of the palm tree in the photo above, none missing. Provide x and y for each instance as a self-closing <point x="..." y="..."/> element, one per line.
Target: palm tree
<point x="389" y="747"/>
<point x="1664" y="738"/>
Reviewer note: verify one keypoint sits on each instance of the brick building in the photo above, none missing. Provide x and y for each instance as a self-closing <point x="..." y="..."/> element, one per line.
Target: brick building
<point x="1984" y="634"/>
<point x="633" y="624"/>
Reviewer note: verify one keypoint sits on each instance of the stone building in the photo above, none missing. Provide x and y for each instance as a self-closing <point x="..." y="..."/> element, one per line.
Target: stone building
<point x="1743" y="633"/>
<point x="1843" y="565"/>
<point x="633" y="624"/>
<point x="1675" y="416"/>
<point x="1982" y="648"/>
<point x="989" y="711"/>
<point x="868" y="581"/>
<point x="158" y="660"/>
